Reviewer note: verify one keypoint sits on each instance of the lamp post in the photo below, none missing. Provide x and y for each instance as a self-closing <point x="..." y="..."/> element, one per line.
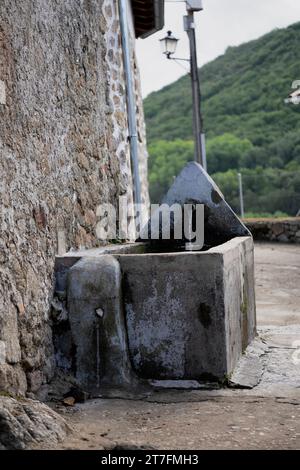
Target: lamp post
<point x="241" y="195"/>
<point x="169" y="44"/>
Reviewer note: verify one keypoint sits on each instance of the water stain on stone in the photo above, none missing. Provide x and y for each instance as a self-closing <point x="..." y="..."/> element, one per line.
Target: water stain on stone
<point x="215" y="197"/>
<point x="204" y="315"/>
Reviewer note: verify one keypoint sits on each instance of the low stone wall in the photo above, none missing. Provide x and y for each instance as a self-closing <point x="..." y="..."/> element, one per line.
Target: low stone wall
<point x="278" y="230"/>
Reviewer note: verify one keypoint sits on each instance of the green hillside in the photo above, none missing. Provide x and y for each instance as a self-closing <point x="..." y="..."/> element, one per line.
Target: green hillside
<point x="248" y="126"/>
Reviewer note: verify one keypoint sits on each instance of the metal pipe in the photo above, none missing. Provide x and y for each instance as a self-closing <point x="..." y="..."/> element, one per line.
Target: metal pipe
<point x="189" y="26"/>
<point x="131" y="105"/>
<point x="203" y="144"/>
<point x="97" y="354"/>
<point x="241" y="195"/>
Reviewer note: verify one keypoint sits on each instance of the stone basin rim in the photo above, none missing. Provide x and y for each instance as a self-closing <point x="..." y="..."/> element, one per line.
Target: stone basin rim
<point x="136" y="249"/>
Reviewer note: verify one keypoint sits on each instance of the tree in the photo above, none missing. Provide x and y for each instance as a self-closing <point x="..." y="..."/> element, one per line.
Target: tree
<point x="166" y="160"/>
<point x="226" y="152"/>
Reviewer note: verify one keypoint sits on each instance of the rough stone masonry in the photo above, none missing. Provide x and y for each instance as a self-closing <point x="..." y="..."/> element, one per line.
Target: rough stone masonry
<point x="276" y="230"/>
<point x="63" y="151"/>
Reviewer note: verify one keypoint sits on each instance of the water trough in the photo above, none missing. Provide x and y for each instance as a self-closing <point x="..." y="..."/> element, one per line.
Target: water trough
<point x="140" y="312"/>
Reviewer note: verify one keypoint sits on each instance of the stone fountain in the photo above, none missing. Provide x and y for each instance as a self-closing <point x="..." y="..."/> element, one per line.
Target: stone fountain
<point x="145" y="312"/>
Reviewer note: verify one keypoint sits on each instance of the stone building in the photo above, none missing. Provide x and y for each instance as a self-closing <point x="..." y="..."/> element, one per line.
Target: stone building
<point x="65" y="148"/>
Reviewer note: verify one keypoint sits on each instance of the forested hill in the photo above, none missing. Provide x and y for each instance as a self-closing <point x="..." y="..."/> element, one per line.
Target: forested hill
<point x="248" y="126"/>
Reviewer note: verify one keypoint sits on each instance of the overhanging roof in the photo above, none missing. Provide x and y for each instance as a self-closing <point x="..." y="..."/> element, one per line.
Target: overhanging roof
<point x="148" y="16"/>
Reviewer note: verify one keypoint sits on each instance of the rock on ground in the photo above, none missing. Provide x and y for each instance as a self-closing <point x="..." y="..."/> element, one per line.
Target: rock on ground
<point x="24" y="423"/>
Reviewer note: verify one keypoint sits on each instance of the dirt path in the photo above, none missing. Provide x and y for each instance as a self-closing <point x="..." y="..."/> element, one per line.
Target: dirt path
<point x="266" y="417"/>
<point x="188" y="420"/>
<point x="277" y="270"/>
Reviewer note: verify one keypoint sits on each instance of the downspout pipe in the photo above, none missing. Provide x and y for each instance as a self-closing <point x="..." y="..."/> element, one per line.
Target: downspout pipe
<point x="131" y="105"/>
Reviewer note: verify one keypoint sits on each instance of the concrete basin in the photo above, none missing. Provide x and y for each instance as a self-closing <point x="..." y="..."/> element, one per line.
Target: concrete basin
<point x="134" y="314"/>
<point x="189" y="315"/>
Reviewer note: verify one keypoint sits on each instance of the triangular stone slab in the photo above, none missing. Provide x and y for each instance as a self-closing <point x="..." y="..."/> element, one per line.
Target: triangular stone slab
<point x="194" y="185"/>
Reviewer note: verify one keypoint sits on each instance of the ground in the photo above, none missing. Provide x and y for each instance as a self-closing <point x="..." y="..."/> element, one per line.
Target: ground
<point x="265" y="417"/>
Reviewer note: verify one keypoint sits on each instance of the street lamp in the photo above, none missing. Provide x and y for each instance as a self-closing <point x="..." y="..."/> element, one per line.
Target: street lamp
<point x="241" y="194"/>
<point x="169" y="44"/>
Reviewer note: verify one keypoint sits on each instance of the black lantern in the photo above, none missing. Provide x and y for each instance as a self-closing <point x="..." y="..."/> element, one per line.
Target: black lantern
<point x="168" y="44"/>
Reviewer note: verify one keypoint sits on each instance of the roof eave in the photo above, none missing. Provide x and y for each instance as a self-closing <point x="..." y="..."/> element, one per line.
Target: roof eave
<point x="159" y="12"/>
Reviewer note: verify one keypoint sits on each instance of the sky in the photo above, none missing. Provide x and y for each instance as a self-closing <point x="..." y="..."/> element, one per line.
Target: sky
<point x="222" y="23"/>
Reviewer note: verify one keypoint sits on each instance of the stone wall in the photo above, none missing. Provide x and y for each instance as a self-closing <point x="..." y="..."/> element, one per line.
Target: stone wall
<point x="277" y="230"/>
<point x="117" y="100"/>
<point x="63" y="151"/>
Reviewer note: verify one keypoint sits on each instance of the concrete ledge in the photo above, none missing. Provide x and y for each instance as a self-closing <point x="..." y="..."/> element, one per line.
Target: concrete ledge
<point x="64" y="262"/>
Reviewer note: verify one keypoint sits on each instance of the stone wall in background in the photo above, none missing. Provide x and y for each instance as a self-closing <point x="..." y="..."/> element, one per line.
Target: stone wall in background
<point x="277" y="230"/>
<point x="63" y="151"/>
